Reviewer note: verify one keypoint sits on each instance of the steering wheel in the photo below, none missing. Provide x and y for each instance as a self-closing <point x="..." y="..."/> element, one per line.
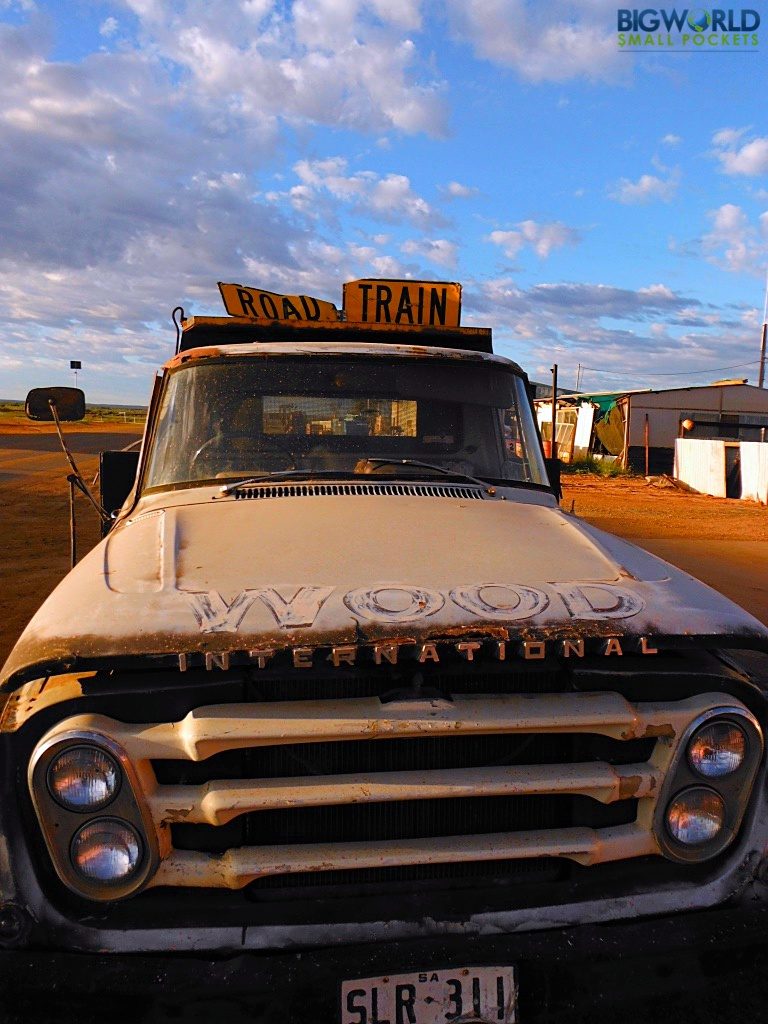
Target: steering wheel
<point x="272" y="449"/>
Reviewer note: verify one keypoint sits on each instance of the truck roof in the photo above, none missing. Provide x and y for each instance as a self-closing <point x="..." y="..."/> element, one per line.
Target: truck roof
<point x="199" y="331"/>
<point x="336" y="347"/>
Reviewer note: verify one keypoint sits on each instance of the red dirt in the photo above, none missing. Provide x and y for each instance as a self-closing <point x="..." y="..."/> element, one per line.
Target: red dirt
<point x="631" y="507"/>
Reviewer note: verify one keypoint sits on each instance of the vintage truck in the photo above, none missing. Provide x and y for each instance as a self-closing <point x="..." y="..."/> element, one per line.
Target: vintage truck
<point x="345" y="718"/>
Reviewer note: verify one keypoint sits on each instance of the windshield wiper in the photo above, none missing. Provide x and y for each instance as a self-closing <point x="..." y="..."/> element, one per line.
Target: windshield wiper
<point x="299" y="473"/>
<point x="280" y="474"/>
<point x="418" y="464"/>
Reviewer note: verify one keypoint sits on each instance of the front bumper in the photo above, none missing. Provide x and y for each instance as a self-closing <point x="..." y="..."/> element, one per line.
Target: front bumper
<point x="707" y="965"/>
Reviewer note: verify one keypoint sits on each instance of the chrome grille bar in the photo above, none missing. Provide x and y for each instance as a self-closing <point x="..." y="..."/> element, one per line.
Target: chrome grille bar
<point x="237" y="868"/>
<point x="216" y="803"/>
<point x="213" y="729"/>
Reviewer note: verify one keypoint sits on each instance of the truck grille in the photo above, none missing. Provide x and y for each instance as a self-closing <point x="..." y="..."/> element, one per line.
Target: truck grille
<point x="473" y="763"/>
<point x="366" y="787"/>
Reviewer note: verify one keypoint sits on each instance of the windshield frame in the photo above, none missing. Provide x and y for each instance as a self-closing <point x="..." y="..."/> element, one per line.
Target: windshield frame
<point x="192" y="360"/>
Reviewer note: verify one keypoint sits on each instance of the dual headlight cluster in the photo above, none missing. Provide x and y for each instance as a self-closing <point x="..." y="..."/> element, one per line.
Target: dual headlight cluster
<point x="92" y="822"/>
<point x="85" y="780"/>
<point x="710" y="785"/>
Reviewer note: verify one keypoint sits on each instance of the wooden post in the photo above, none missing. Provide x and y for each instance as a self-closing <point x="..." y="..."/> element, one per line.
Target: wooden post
<point x="647" y="434"/>
<point x="554" y="412"/>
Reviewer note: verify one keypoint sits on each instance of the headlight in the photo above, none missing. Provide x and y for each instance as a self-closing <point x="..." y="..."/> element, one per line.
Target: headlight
<point x="84" y="778"/>
<point x="717" y="749"/>
<point x="695" y="816"/>
<point x="106" y="851"/>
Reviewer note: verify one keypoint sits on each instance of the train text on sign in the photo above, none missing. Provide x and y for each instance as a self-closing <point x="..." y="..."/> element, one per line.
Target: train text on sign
<point x="405" y="303"/>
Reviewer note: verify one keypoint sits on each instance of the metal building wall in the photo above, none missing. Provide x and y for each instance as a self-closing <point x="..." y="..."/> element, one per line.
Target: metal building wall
<point x="754" y="471"/>
<point x="701" y="465"/>
<point x="664" y="409"/>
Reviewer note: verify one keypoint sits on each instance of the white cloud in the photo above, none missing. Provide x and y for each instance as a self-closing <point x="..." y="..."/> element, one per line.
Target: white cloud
<point x="733" y="243"/>
<point x="389" y="197"/>
<point x="542" y="238"/>
<point x="438" y="251"/>
<point x="646" y="189"/>
<point x="556" y="41"/>
<point x="107" y="221"/>
<point x="127" y="189"/>
<point x="393" y="196"/>
<point x="406" y="14"/>
<point x="333" y="62"/>
<point x="108" y="27"/>
<point x="749" y="159"/>
<point x="671" y="140"/>
<point x="626" y="333"/>
<point x="657" y="293"/>
<point x="455" y="190"/>
<point x="728" y="137"/>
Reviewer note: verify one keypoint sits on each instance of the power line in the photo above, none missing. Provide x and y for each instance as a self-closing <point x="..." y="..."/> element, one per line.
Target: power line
<point x="678" y="373"/>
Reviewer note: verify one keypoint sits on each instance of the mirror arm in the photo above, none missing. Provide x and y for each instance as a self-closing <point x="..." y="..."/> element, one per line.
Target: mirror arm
<point x="72" y="481"/>
<point x="79" y="481"/>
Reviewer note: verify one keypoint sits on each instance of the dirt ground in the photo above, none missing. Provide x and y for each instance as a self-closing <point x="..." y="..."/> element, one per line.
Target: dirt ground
<point x="633" y="508"/>
<point x="34" y="514"/>
<point x="721" y="541"/>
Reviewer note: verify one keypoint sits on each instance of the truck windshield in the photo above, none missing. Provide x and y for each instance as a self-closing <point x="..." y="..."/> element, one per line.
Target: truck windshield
<point x="233" y="418"/>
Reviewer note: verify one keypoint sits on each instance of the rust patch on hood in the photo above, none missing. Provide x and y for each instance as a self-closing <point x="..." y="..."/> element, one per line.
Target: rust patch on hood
<point x="38" y="694"/>
<point x="476" y="632"/>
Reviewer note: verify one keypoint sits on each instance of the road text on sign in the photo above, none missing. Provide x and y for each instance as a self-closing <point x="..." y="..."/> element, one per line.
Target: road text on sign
<point x="257" y="304"/>
<point x="423" y="303"/>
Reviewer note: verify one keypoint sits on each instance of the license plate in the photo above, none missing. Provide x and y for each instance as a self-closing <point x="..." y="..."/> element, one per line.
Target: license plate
<point x="486" y="994"/>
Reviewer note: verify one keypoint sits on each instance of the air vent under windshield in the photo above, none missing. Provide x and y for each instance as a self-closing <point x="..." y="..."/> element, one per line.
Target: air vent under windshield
<point x="323" y="490"/>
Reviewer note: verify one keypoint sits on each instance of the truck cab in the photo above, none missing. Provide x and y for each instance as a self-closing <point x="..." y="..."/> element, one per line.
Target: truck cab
<point x="344" y="707"/>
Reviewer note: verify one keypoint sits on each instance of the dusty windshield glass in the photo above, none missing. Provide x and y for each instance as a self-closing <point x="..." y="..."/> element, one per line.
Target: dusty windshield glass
<point x="234" y="418"/>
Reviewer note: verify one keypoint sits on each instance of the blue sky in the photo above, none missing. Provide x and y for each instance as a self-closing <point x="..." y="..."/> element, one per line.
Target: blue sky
<point x="600" y="207"/>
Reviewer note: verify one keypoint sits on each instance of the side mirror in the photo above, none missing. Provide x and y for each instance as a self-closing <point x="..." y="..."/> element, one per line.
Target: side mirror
<point x="70" y="404"/>
<point x="117" y="475"/>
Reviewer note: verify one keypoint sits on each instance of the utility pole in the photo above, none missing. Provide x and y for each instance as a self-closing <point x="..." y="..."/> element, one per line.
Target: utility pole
<point x="761" y="375"/>
<point x="578" y="377"/>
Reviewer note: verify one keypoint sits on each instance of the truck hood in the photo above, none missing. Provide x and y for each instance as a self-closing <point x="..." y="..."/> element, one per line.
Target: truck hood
<point x="202" y="575"/>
